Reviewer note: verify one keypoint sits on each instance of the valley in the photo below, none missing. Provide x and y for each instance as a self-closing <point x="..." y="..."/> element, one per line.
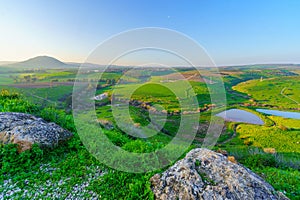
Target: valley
<point x="270" y="148"/>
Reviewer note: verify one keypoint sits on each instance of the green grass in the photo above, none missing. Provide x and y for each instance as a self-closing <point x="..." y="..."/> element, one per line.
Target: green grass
<point x="12" y="102"/>
<point x="166" y="94"/>
<point x="57" y="96"/>
<point x="55" y="74"/>
<point x="281" y="169"/>
<point x="279" y="133"/>
<point x="288" y="123"/>
<point x="286" y="181"/>
<point x="154" y="93"/>
<point x="271" y="137"/>
<point x="5" y="79"/>
<point x="52" y="94"/>
<point x="269" y="91"/>
<point x="73" y="163"/>
<point x="281" y="174"/>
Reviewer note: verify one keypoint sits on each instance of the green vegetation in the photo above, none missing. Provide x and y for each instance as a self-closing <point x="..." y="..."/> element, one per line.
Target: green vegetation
<point x="48" y="96"/>
<point x="286" y="181"/>
<point x="12" y="102"/>
<point x="270" y="137"/>
<point x="271" y="150"/>
<point x="277" y="92"/>
<point x="71" y="162"/>
<point x="5" y="79"/>
<point x="151" y="92"/>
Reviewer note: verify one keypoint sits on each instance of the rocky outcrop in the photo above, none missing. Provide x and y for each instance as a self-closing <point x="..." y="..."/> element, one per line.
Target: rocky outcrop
<point x="204" y="174"/>
<point x="26" y="130"/>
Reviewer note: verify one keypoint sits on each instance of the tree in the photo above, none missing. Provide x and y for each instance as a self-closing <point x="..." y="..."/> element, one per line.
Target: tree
<point x="27" y="78"/>
<point x="34" y="79"/>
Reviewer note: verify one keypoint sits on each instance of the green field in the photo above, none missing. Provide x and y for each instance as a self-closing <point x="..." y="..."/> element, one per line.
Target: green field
<point x="272" y="151"/>
<point x="5" y="79"/>
<point x="74" y="165"/>
<point x="277" y="92"/>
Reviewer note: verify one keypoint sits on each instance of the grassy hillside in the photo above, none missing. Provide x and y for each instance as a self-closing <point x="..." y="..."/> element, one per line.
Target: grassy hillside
<point x="271" y="150"/>
<point x="70" y="166"/>
<point x="278" y="92"/>
<point x="58" y="171"/>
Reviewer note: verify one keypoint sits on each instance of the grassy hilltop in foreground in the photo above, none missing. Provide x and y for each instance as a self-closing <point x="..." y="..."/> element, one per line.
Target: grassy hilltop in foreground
<point x="271" y="150"/>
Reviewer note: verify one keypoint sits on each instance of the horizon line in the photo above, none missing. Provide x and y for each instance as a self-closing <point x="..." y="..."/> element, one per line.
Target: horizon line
<point x="133" y="65"/>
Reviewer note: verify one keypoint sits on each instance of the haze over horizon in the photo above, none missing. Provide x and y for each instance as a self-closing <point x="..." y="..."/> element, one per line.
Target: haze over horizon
<point x="47" y="59"/>
<point x="232" y="32"/>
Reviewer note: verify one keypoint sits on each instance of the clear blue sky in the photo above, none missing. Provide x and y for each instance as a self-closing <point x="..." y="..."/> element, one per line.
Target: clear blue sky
<point x="232" y="31"/>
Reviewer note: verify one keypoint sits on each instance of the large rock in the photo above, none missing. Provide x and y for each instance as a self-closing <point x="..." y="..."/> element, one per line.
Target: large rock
<point x="25" y="130"/>
<point x="204" y="174"/>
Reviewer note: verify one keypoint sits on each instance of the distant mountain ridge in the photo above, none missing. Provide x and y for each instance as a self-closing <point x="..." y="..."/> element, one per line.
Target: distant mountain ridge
<point x="42" y="62"/>
<point x="47" y="62"/>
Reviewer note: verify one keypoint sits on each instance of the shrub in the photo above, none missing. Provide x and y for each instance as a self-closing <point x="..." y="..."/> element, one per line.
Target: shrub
<point x="248" y="142"/>
<point x="118" y="139"/>
<point x="12" y="102"/>
<point x="259" y="160"/>
<point x="121" y="185"/>
<point x="5" y="94"/>
<point x="13" y="162"/>
<point x="59" y="117"/>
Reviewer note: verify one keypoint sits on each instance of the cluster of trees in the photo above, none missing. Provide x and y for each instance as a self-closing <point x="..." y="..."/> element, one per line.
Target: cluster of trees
<point x="26" y="79"/>
<point x="108" y="81"/>
<point x="30" y="79"/>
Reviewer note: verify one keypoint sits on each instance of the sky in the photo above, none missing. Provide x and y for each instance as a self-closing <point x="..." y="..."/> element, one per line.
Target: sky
<point x="232" y="31"/>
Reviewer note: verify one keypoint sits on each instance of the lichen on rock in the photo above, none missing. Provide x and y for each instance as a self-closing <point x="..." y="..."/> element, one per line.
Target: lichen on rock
<point x="205" y="174"/>
<point x="25" y="130"/>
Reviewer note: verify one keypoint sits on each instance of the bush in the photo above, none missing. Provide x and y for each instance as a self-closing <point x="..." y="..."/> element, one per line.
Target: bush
<point x="59" y="117"/>
<point x="248" y="142"/>
<point x="121" y="185"/>
<point x="259" y="160"/>
<point x="5" y="94"/>
<point x="139" y="146"/>
<point x="13" y="162"/>
<point x="117" y="138"/>
<point x="12" y="102"/>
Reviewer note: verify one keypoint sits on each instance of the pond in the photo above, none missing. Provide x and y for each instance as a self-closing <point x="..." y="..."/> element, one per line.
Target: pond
<point x="293" y="115"/>
<point x="237" y="115"/>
